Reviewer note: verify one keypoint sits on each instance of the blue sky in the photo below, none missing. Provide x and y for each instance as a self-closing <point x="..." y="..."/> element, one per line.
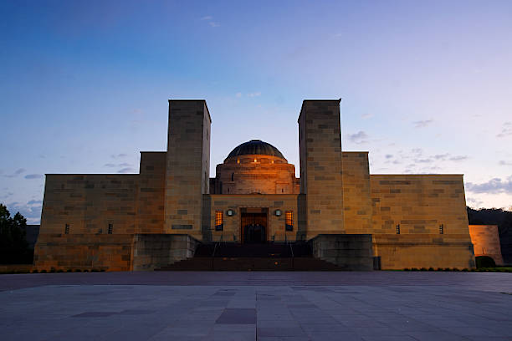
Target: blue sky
<point x="426" y="85"/>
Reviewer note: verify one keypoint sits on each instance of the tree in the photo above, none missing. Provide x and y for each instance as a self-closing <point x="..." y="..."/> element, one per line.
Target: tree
<point x="13" y="245"/>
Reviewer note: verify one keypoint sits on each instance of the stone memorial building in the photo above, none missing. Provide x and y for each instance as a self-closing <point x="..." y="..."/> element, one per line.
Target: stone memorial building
<point x="346" y="215"/>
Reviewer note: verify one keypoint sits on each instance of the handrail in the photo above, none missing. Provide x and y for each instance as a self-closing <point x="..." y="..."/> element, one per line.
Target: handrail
<point x="213" y="255"/>
<point x="293" y="256"/>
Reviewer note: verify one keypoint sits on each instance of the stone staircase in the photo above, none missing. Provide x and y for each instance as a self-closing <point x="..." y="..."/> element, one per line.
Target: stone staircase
<point x="252" y="257"/>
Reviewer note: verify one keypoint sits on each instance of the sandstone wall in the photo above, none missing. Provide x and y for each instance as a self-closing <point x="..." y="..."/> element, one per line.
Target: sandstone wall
<point x="232" y="225"/>
<point x="150" y="195"/>
<point x="321" y="166"/>
<point x="356" y="193"/>
<point x="187" y="166"/>
<point x="486" y="241"/>
<point x="420" y="205"/>
<point x="262" y="174"/>
<point x="89" y="203"/>
<point x="84" y="251"/>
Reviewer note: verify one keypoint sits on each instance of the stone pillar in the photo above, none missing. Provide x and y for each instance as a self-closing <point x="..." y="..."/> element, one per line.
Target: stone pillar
<point x="320" y="166"/>
<point x="187" y="166"/>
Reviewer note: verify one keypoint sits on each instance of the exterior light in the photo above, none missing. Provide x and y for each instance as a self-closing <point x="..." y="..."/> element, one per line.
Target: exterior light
<point x="230" y="212"/>
<point x="255" y="160"/>
<point x="278" y="213"/>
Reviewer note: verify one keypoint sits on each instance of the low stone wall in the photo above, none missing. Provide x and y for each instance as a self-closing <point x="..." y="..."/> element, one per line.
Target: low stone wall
<point x="151" y="251"/>
<point x="109" y="252"/>
<point x="16" y="268"/>
<point x="423" y="251"/>
<point x="348" y="251"/>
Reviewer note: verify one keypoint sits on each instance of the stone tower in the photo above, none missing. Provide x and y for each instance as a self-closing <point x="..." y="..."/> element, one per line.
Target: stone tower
<point x="187" y="166"/>
<point x="321" y="166"/>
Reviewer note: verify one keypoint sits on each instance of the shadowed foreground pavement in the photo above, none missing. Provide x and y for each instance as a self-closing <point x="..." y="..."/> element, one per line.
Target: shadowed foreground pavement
<point x="256" y="305"/>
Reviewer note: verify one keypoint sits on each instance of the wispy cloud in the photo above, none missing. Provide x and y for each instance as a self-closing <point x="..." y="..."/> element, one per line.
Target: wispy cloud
<point x="254" y="94"/>
<point x="506" y="130"/>
<point x="126" y="170"/>
<point x="238" y="94"/>
<point x="359" y="137"/>
<point x="422" y="124"/>
<point x="209" y="19"/>
<point x="505" y="163"/>
<point x="366" y="116"/>
<point x="118" y="156"/>
<point x="16" y="173"/>
<point x="34" y="176"/>
<point x="493" y="186"/>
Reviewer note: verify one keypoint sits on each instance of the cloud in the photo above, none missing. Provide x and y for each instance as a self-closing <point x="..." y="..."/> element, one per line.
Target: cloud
<point x="459" y="158"/>
<point x="34" y="176"/>
<point x="366" y="116"/>
<point x="118" y="156"/>
<point x="209" y="20"/>
<point x="254" y="94"/>
<point x="7" y="195"/>
<point x="493" y="186"/>
<point x="126" y="170"/>
<point x="389" y="156"/>
<point x="359" y="137"/>
<point x="31" y="210"/>
<point x="506" y="130"/>
<point x="238" y="94"/>
<point x="505" y="163"/>
<point x="422" y="124"/>
<point x="474" y="202"/>
<point x="16" y="173"/>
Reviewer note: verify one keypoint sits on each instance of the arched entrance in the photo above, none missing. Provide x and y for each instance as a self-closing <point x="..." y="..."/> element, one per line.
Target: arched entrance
<point x="254" y="225"/>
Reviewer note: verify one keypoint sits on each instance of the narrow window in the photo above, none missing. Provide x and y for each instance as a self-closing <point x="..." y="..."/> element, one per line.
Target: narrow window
<point x="219" y="221"/>
<point x="441" y="229"/>
<point x="289" y="220"/>
<point x="66" y="229"/>
<point x="232" y="176"/>
<point x="398" y="229"/>
<point x="110" y="228"/>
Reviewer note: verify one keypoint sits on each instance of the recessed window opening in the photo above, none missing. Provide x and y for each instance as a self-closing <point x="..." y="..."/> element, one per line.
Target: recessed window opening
<point x="398" y="229"/>
<point x="219" y="221"/>
<point x="441" y="229"/>
<point x="66" y="229"/>
<point x="289" y="220"/>
<point x="110" y="228"/>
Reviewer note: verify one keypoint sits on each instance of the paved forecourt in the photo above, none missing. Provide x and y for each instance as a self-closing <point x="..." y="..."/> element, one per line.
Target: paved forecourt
<point x="256" y="306"/>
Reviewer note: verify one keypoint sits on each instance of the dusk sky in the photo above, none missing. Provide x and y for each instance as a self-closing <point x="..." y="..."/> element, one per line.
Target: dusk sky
<point x="426" y="86"/>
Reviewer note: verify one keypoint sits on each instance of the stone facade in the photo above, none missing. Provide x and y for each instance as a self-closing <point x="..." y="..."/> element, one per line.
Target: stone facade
<point x="486" y="241"/>
<point x="145" y="220"/>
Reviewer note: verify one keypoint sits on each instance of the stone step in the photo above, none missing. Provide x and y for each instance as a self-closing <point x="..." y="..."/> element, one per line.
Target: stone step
<point x="251" y="264"/>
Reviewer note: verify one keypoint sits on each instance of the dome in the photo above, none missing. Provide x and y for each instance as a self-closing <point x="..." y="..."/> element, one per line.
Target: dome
<point x="255" y="147"/>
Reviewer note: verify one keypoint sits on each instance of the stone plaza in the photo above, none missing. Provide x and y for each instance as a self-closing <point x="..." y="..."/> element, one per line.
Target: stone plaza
<point x="266" y="306"/>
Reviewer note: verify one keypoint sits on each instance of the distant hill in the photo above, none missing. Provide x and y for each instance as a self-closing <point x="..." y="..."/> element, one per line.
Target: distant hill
<point x="495" y="216"/>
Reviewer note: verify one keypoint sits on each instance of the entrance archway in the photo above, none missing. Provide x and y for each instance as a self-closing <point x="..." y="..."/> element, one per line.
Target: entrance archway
<point x="254" y="226"/>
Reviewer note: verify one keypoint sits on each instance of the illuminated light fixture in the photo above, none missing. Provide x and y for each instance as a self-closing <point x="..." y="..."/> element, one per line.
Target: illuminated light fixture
<point x="230" y="212"/>
<point x="278" y="213"/>
<point x="237" y="160"/>
<point x="255" y="160"/>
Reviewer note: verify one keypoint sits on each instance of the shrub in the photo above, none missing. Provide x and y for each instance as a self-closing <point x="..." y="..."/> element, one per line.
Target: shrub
<point x="78" y="270"/>
<point x="423" y="269"/>
<point x="35" y="271"/>
<point x="431" y="269"/>
<point x="414" y="269"/>
<point x="407" y="269"/>
<point x="455" y="269"/>
<point x="69" y="270"/>
<point x="484" y="262"/>
<point x="43" y="271"/>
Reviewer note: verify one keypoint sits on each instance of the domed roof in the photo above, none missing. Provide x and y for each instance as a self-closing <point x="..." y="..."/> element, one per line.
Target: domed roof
<point x="255" y="147"/>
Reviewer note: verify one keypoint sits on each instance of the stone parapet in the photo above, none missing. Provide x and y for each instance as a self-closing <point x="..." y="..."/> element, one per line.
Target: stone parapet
<point x="348" y="251"/>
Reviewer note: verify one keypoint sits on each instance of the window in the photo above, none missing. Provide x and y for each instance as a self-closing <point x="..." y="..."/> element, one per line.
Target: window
<point x="289" y="220"/>
<point x="66" y="229"/>
<point x="110" y="228"/>
<point x="441" y="229"/>
<point x="219" y="221"/>
<point x="398" y="229"/>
